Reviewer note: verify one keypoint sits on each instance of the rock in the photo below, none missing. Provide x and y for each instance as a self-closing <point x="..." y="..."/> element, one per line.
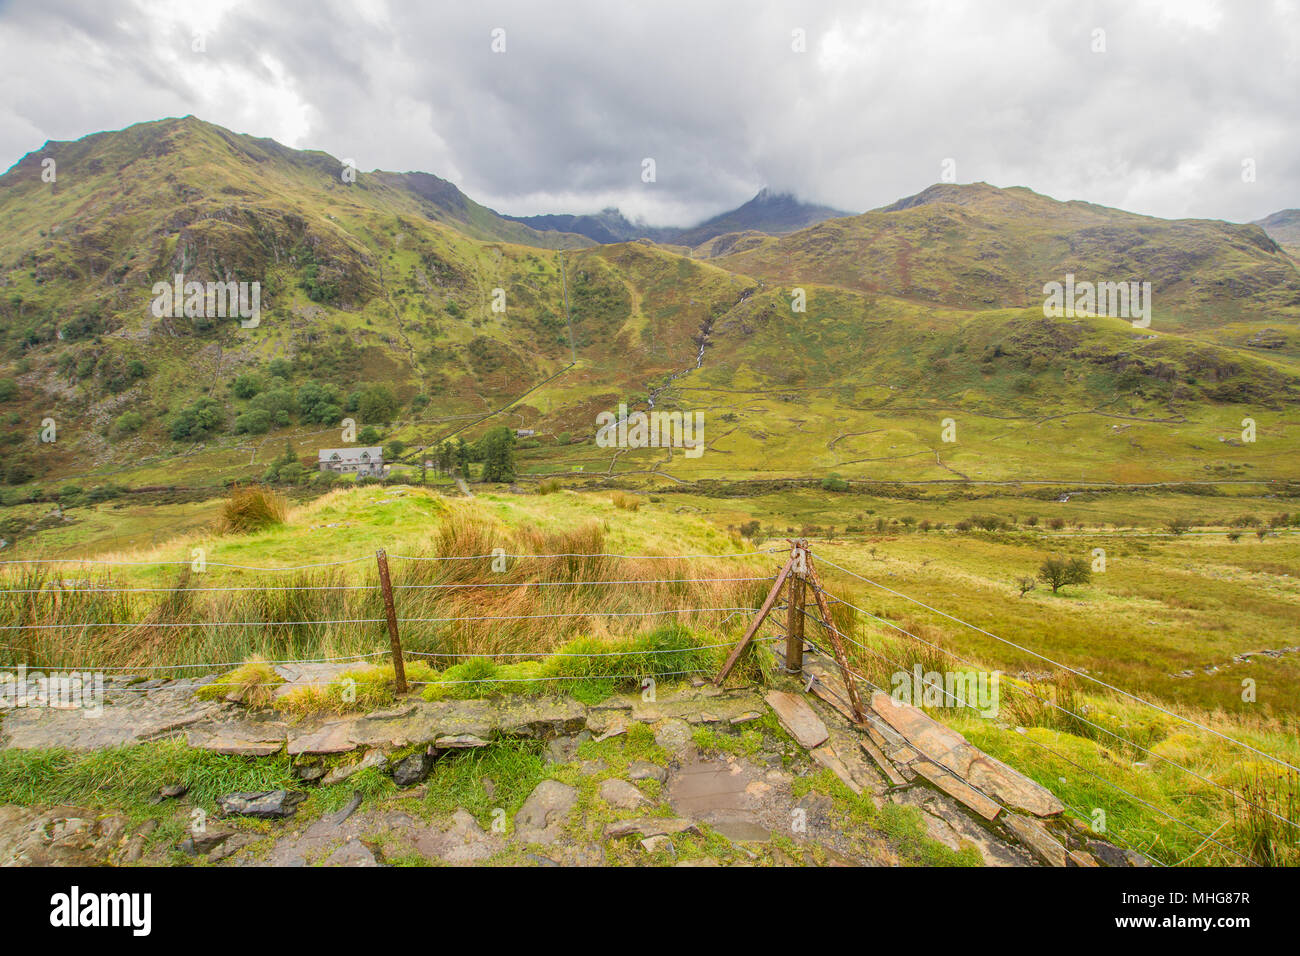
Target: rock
<point x="621" y="794"/>
<point x="352" y="853"/>
<point x="310" y="773"/>
<point x="206" y="842"/>
<point x="674" y="735"/>
<point x="656" y="843"/>
<point x="542" y="816"/>
<point x="239" y="747"/>
<point x="1136" y="859"/>
<point x="270" y="805"/>
<point x="1035" y="836"/>
<point x="651" y="826"/>
<point x="798" y="718"/>
<point x="412" y="769"/>
<point x="172" y="791"/>
<point x="372" y="758"/>
<point x="1107" y="853"/>
<point x="1082" y="858"/>
<point x="464" y="841"/>
<point x="136" y="843"/>
<point x="643" y="770"/>
<point x="817" y="808"/>
<point x="459" y="742"/>
<point x="826" y="757"/>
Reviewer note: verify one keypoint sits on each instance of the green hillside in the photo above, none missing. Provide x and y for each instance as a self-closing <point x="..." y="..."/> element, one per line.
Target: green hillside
<point x="380" y="303"/>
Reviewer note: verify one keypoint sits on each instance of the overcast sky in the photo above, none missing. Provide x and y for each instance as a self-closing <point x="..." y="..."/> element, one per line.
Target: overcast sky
<point x="1014" y="92"/>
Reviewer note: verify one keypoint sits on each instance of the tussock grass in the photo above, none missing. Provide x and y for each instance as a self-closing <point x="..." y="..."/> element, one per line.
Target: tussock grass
<point x="252" y="508"/>
<point x="252" y="683"/>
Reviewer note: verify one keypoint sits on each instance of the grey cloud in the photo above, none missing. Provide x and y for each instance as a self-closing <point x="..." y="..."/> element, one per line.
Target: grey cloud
<point x="560" y="122"/>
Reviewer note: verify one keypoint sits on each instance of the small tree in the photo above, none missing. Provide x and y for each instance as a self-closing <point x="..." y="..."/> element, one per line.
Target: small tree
<point x="1178" y="525"/>
<point x="499" y="455"/>
<point x="1056" y="572"/>
<point x="1025" y="584"/>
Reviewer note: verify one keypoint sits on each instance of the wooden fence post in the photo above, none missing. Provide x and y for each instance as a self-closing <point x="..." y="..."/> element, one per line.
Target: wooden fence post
<point x="837" y="646"/>
<point x="385" y="585"/>
<point x="794" y="612"/>
<point x="740" y="647"/>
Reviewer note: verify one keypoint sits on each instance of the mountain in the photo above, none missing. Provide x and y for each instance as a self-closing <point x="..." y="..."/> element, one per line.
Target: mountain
<point x="978" y="247"/>
<point x="1284" y="227"/>
<point x="608" y="225"/>
<point x="773" y="213"/>
<point x="397" y="301"/>
<point x="768" y="212"/>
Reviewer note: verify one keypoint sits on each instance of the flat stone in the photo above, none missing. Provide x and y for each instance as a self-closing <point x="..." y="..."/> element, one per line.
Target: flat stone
<point x="742" y="831"/>
<point x="464" y="841"/>
<point x="621" y="794"/>
<point x="541" y="818"/>
<point x="798" y="718"/>
<point x="372" y="758"/>
<point x="945" y="746"/>
<point x="674" y="735"/>
<point x="459" y="742"/>
<point x="644" y="770"/>
<point x="826" y="757"/>
<point x="1035" y="836"/>
<point x="352" y="853"/>
<point x="268" y="805"/>
<point x="656" y="843"/>
<point x="201" y="843"/>
<point x="333" y="738"/>
<point x="651" y="826"/>
<point x="238" y="747"/>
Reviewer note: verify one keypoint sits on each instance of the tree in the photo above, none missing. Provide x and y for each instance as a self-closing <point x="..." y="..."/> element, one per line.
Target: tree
<point x="1025" y="585"/>
<point x="377" y="403"/>
<point x="1056" y="572"/>
<point x="498" y="447"/>
<point x="462" y="456"/>
<point x="1178" y="525"/>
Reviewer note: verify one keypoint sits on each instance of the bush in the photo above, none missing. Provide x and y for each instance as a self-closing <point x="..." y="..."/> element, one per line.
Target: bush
<point x="251" y="509"/>
<point x="200" y="420"/>
<point x="834" y="483"/>
<point x="128" y="423"/>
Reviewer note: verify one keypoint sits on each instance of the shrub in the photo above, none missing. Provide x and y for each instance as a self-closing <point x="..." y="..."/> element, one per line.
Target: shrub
<point x="128" y="423"/>
<point x="834" y="483"/>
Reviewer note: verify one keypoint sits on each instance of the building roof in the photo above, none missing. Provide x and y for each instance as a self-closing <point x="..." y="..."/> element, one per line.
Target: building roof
<point x="351" y="456"/>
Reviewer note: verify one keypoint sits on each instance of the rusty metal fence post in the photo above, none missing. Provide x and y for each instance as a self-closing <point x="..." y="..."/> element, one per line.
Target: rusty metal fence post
<point x="794" y="613"/>
<point x="385" y="585"/>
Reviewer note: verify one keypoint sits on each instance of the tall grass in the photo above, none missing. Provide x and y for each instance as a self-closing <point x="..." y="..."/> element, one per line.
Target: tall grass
<point x="1095" y="749"/>
<point x="339" y="611"/>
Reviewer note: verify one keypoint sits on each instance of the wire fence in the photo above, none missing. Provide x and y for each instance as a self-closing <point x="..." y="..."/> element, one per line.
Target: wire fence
<point x="450" y="611"/>
<point x="1231" y="795"/>
<point x="60" y="623"/>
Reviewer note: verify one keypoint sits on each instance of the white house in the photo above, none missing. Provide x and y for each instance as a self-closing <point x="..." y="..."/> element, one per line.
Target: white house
<point x="352" y="461"/>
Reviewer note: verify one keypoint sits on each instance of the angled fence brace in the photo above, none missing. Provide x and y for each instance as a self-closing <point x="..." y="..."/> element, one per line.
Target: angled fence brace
<point x="756" y="623"/>
<point x="837" y="645"/>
